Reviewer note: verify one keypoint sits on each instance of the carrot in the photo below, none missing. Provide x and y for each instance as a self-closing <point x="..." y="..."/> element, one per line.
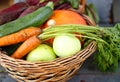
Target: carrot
<point x="26" y="47"/>
<point x="19" y="36"/>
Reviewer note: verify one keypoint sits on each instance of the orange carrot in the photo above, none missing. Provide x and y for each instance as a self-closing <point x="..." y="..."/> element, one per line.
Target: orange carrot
<point x="19" y="36"/>
<point x="26" y="47"/>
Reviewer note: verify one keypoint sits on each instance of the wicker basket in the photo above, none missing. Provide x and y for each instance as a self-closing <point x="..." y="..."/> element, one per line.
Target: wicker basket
<point x="59" y="70"/>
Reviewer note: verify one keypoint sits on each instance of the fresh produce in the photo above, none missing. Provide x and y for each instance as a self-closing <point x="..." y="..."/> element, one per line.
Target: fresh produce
<point x="60" y="17"/>
<point x="44" y="2"/>
<point x="26" y="47"/>
<point x="33" y="19"/>
<point x="74" y="3"/>
<point x="42" y="53"/>
<point x="29" y="10"/>
<point x="32" y="2"/>
<point x="107" y="40"/>
<point x="59" y="4"/>
<point x="19" y="36"/>
<point x="12" y="12"/>
<point x="108" y="54"/>
<point x="66" y="45"/>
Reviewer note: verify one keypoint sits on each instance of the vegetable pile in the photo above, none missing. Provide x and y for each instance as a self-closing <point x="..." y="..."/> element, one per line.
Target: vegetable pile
<point x="107" y="39"/>
<point x="26" y="34"/>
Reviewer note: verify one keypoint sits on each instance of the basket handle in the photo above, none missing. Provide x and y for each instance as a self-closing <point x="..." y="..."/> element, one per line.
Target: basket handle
<point x="88" y="20"/>
<point x="82" y="6"/>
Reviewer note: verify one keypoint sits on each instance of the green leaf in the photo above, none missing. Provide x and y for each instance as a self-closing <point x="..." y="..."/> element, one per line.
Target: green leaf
<point x="92" y="12"/>
<point x="74" y="3"/>
<point x="88" y="13"/>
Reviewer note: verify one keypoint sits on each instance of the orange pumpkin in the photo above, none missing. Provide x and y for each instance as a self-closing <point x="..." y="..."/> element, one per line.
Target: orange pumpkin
<point x="60" y="17"/>
<point x="64" y="17"/>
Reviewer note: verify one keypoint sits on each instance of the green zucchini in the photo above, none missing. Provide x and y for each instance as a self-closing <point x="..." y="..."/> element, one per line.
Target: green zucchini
<point x="35" y="18"/>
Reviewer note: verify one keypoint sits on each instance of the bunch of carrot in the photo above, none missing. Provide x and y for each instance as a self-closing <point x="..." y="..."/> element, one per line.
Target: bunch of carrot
<point x="29" y="38"/>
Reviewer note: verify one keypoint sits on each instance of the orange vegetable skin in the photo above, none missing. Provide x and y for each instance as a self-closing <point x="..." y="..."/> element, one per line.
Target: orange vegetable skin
<point x="19" y="36"/>
<point x="60" y="17"/>
<point x="26" y="47"/>
<point x="64" y="17"/>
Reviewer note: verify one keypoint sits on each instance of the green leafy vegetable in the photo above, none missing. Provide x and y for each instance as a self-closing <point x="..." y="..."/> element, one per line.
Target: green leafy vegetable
<point x="108" y="55"/>
<point x="91" y="11"/>
<point x="74" y="3"/>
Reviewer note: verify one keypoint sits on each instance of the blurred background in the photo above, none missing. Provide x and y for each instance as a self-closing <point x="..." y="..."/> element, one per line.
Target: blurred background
<point x="104" y="9"/>
<point x="108" y="11"/>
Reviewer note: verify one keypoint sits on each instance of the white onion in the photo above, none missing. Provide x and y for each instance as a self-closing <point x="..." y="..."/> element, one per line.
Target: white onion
<point x="66" y="45"/>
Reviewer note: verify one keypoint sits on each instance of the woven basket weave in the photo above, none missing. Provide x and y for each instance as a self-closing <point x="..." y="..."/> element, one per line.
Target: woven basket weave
<point x="59" y="70"/>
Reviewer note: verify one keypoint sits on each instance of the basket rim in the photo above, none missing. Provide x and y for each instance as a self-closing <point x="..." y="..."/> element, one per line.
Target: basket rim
<point x="4" y="55"/>
<point x="16" y="68"/>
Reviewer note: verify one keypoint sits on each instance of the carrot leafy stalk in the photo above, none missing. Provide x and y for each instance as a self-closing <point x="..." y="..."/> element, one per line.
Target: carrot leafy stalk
<point x="108" y="56"/>
<point x="19" y="36"/>
<point x="26" y="47"/>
